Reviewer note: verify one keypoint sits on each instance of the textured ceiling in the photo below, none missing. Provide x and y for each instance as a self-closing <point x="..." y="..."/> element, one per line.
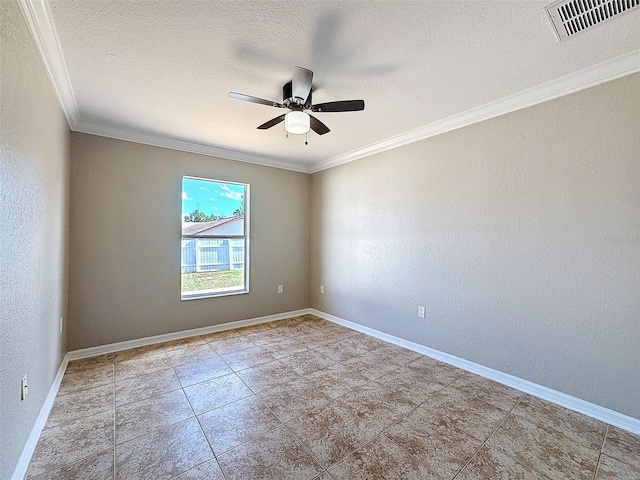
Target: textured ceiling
<point x="165" y="67"/>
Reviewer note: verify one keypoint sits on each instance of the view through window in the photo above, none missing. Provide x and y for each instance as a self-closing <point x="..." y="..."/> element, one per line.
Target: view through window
<point x="215" y="247"/>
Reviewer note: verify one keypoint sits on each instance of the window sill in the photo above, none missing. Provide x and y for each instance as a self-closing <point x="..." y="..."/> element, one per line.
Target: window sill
<point x="205" y="294"/>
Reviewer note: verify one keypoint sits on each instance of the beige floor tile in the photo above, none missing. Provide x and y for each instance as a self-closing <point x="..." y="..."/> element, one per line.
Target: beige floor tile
<point x="184" y="342"/>
<point x="285" y="347"/>
<point x="335" y="431"/>
<point x="98" y="467"/>
<point x="337" y="380"/>
<point x="488" y="391"/>
<point x="165" y="453"/>
<point x="228" y="345"/>
<point x="444" y="448"/>
<point x="407" y="380"/>
<point x="353" y="344"/>
<point x="223" y="335"/>
<point x="237" y="423"/>
<point x="369" y="365"/>
<point x="205" y="471"/>
<point x="352" y="403"/>
<point x="611" y="468"/>
<point x="382" y="459"/>
<point x="276" y="455"/>
<point x="386" y="403"/>
<point x="248" y="357"/>
<point x="79" y="404"/>
<point x="140" y="418"/>
<point x="139" y="353"/>
<point x="324" y="476"/>
<point x="272" y="335"/>
<point x="200" y="370"/>
<point x="433" y="370"/>
<point x="293" y="399"/>
<point x="267" y="375"/>
<point x="554" y="455"/>
<point x="147" y="385"/>
<point x="395" y="354"/>
<point x="466" y="412"/>
<point x="490" y="463"/>
<point x="623" y="445"/>
<point x="84" y="379"/>
<point x="217" y="392"/>
<point x="577" y="427"/>
<point x="308" y="362"/>
<point x="190" y="354"/>
<point x="70" y="442"/>
<point x="315" y="338"/>
<point x="372" y="343"/>
<point x="91" y="362"/>
<point x="136" y="366"/>
<point x="335" y="352"/>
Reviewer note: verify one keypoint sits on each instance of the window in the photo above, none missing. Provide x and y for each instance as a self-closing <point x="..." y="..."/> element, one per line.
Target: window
<point x="215" y="238"/>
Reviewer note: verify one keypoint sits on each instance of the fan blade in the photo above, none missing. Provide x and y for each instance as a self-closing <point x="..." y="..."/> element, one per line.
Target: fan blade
<point x="249" y="98"/>
<point x="317" y="126"/>
<point x="341" y="106"/>
<point x="301" y="83"/>
<point x="272" y="123"/>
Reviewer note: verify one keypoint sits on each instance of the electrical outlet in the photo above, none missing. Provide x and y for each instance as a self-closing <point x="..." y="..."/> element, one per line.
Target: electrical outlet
<point x="421" y="311"/>
<point x="61" y="320"/>
<point x="321" y="288"/>
<point x="279" y="288"/>
<point x="24" y="389"/>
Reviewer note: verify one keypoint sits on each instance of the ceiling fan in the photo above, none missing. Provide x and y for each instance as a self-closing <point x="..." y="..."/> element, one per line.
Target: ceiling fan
<point x="296" y="96"/>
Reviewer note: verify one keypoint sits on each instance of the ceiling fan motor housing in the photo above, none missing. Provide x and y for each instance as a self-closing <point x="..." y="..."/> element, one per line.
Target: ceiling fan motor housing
<point x="290" y="102"/>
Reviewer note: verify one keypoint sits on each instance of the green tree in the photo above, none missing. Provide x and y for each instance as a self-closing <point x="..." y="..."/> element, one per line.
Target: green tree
<point x="198" y="216"/>
<point x="239" y="212"/>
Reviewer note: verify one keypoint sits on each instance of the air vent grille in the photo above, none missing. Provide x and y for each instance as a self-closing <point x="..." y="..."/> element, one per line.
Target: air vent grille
<point x="570" y="17"/>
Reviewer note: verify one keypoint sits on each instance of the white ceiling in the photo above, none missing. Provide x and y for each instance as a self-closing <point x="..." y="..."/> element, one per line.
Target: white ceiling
<point x="159" y="72"/>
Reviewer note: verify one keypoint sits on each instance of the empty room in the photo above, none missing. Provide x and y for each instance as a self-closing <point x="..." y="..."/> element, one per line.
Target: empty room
<point x="319" y="240"/>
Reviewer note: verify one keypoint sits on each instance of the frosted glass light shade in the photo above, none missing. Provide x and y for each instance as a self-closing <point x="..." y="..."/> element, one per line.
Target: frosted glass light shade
<point x="296" y="122"/>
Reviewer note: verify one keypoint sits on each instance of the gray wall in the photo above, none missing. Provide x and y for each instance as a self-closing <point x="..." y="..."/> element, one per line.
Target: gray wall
<point x="521" y="235"/>
<point x="34" y="185"/>
<point x="125" y="241"/>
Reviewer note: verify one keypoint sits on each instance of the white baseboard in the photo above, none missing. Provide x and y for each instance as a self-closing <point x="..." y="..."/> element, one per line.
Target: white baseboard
<point x="592" y="410"/>
<point x="167" y="337"/>
<point x="27" y="452"/>
<point x="603" y="414"/>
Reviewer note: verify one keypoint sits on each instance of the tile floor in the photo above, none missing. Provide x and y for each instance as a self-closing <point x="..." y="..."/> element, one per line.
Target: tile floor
<point x="307" y="399"/>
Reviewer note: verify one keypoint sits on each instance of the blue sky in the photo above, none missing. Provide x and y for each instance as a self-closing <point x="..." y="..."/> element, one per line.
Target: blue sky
<point x="209" y="197"/>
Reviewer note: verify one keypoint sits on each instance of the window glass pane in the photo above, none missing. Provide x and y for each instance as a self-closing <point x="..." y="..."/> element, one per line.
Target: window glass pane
<point x="212" y="207"/>
<point x="214" y="245"/>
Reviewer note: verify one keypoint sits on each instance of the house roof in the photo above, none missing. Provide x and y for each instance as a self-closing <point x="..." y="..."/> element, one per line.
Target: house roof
<point x="195" y="228"/>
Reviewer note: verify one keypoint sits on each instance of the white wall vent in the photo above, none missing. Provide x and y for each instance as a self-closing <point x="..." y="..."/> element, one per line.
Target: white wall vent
<point x="570" y="17"/>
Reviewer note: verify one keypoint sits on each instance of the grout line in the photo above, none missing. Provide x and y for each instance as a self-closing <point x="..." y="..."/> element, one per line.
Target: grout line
<point x="604" y="440"/>
<point x="285" y="426"/>
<point x="490" y="435"/>
<point x="195" y="416"/>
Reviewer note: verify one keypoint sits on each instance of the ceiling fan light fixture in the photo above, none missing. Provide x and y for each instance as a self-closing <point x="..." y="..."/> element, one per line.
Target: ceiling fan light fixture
<point x="297" y="123"/>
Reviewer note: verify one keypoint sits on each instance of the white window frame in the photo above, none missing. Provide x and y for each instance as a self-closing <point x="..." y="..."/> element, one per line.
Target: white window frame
<point x="245" y="288"/>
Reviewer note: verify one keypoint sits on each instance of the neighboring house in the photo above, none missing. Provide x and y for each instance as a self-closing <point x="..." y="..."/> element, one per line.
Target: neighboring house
<point x="223" y="226"/>
<point x="205" y="253"/>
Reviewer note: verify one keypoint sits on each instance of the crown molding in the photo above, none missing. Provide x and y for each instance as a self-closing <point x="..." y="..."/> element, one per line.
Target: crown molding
<point x="189" y="146"/>
<point x="39" y="21"/>
<point x="38" y="18"/>
<point x="574" y="82"/>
